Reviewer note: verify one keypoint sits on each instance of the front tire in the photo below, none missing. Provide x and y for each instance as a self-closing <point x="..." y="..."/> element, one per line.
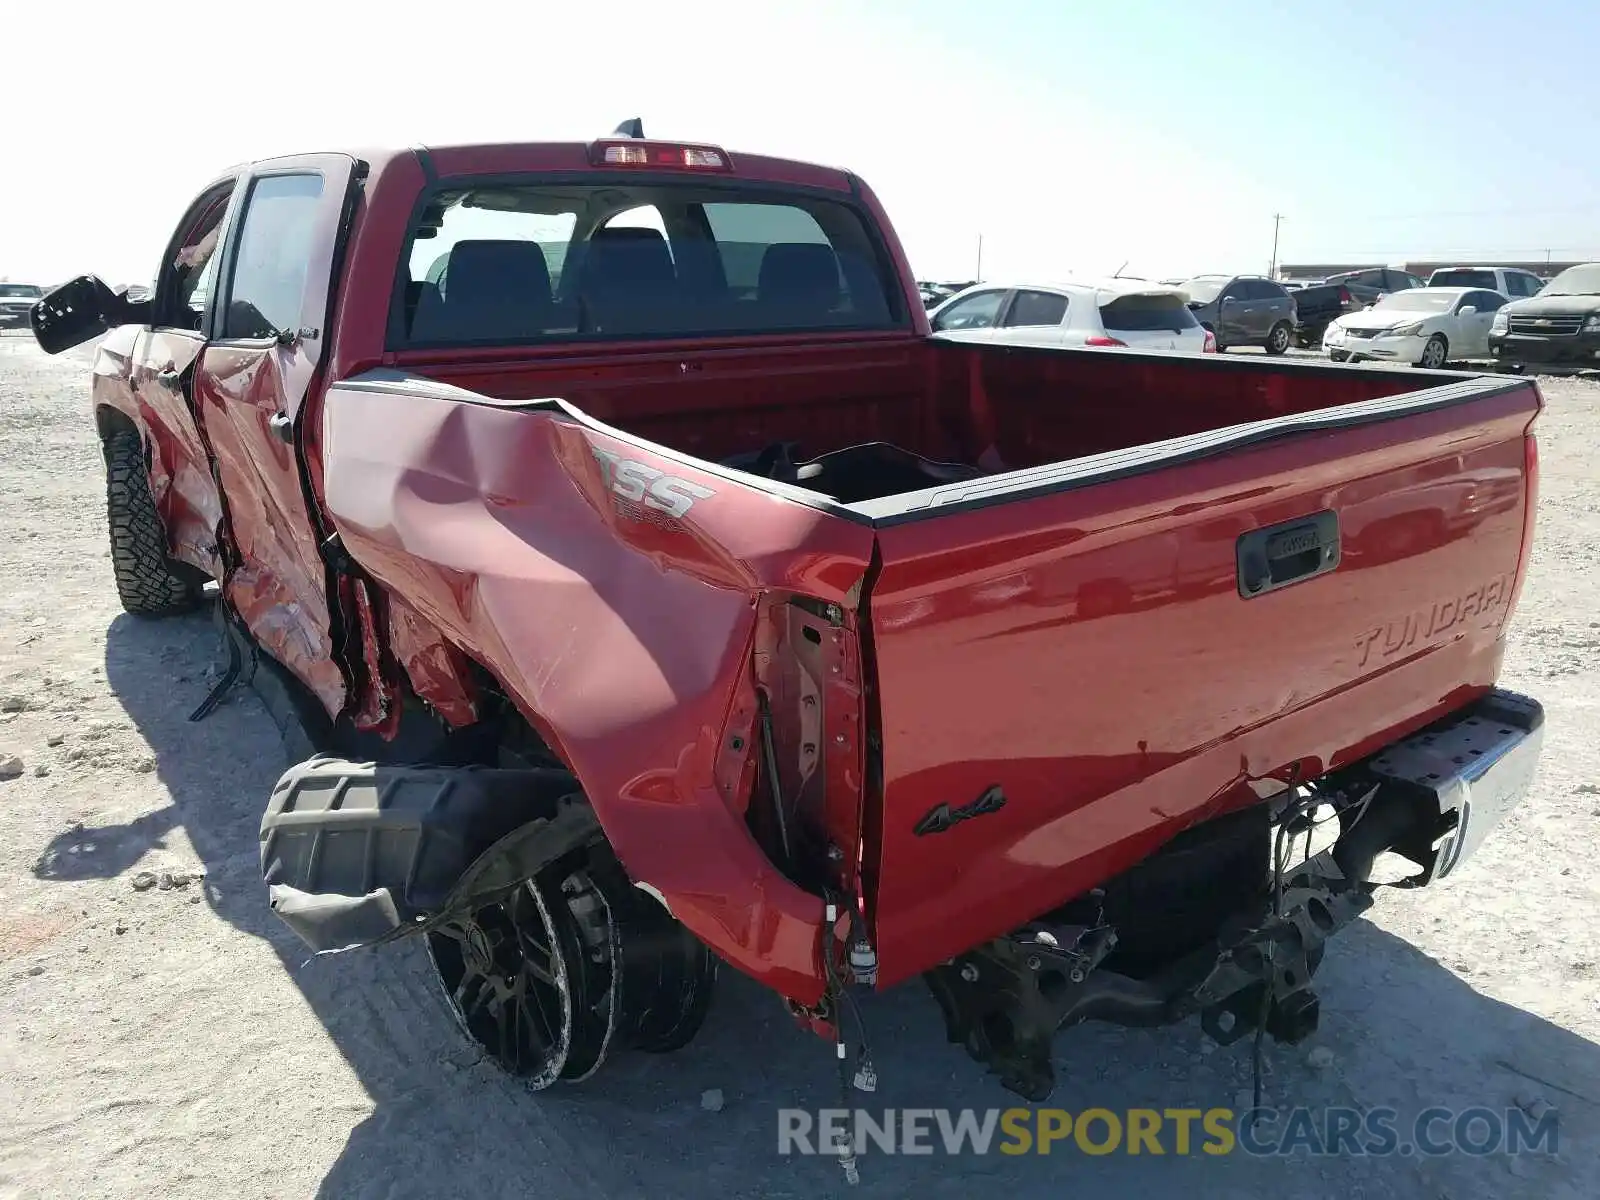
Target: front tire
<point x="1278" y="338"/>
<point x="149" y="583"/>
<point x="1435" y="354"/>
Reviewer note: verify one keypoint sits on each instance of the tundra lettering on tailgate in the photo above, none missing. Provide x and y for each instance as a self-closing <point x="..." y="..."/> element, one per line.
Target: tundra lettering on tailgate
<point x="1428" y="624"/>
<point x="640" y="483"/>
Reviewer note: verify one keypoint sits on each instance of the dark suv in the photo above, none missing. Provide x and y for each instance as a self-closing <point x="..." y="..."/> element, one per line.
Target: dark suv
<point x="1559" y="325"/>
<point x="1243" y="310"/>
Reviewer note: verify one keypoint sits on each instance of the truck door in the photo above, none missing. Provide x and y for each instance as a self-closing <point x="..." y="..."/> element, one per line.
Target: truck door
<point x="253" y="376"/>
<point x="161" y="375"/>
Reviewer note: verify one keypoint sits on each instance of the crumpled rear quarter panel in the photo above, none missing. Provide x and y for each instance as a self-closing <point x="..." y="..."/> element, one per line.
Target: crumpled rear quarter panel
<point x="623" y="634"/>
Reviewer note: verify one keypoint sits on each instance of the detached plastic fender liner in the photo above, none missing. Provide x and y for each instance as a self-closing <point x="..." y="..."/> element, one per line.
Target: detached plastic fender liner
<point x="358" y="853"/>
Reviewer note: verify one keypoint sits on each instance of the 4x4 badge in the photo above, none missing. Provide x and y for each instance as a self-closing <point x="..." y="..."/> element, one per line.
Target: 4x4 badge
<point x="944" y="817"/>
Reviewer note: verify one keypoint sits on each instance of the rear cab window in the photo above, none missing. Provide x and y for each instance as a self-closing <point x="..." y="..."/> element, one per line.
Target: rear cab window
<point x="530" y="262"/>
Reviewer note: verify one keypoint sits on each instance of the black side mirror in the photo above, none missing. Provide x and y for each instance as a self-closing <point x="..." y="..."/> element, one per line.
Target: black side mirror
<point x="76" y="311"/>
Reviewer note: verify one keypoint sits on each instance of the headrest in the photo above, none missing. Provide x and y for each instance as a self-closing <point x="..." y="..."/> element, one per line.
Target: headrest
<point x="496" y="269"/>
<point x="628" y="256"/>
<point x="800" y="274"/>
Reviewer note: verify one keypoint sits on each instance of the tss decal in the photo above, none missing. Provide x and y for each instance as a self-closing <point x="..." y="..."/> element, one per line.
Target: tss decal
<point x="641" y="483"/>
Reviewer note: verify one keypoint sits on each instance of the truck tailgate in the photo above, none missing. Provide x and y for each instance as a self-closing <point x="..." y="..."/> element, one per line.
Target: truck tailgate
<point x="1069" y="670"/>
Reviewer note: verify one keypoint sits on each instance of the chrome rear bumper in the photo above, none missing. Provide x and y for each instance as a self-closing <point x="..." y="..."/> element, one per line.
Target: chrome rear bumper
<point x="1475" y="768"/>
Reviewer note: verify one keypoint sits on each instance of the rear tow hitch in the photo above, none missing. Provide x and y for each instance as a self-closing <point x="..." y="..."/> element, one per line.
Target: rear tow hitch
<point x="1006" y="1000"/>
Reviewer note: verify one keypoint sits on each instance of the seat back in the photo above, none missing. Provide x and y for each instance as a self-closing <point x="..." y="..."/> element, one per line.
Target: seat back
<point x="628" y="283"/>
<point x="492" y="288"/>
<point x="799" y="283"/>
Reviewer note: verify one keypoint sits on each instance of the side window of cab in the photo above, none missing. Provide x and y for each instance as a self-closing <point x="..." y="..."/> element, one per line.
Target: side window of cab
<point x="184" y="285"/>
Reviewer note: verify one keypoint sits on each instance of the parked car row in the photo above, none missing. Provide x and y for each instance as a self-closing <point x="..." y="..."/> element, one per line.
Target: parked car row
<point x="1492" y="314"/>
<point x="1501" y="313"/>
<point x="1112" y="312"/>
<point x="1379" y="314"/>
<point x="1202" y="314"/>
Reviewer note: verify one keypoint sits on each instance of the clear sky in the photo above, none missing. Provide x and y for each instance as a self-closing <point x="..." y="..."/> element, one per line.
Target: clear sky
<point x="1072" y="136"/>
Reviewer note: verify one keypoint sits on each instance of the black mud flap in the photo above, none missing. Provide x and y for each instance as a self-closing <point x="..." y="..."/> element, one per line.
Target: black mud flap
<point x="358" y="853"/>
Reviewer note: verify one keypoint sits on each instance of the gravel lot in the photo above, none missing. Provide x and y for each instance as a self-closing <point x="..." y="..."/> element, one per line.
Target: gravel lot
<point x="174" y="1040"/>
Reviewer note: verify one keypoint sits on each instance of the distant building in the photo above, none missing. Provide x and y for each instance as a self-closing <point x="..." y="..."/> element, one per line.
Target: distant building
<point x="1292" y="271"/>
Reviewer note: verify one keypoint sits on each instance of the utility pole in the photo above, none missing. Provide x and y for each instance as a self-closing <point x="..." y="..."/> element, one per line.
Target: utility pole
<point x="1272" y="271"/>
<point x="979" y="276"/>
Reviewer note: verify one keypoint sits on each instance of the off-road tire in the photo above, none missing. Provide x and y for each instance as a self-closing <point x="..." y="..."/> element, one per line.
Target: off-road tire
<point x="1278" y="338"/>
<point x="149" y="584"/>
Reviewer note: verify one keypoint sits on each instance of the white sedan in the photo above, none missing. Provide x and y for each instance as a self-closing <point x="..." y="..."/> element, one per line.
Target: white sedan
<point x="1426" y="327"/>
<point x="1131" y="313"/>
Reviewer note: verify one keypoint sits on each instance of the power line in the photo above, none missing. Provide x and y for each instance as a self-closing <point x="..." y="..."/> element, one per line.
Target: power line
<point x="1586" y="254"/>
<point x="1591" y="207"/>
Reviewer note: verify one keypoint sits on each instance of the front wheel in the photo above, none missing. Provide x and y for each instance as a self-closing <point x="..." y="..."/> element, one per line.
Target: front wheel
<point x="1278" y="338"/>
<point x="1434" y="353"/>
<point x="149" y="584"/>
<point x="1337" y="355"/>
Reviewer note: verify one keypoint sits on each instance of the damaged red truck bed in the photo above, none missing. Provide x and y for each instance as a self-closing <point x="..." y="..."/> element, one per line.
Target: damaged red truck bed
<point x="660" y="592"/>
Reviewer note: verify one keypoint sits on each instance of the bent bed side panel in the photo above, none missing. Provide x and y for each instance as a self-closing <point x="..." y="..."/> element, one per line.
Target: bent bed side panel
<point x="1088" y="652"/>
<point x="612" y="592"/>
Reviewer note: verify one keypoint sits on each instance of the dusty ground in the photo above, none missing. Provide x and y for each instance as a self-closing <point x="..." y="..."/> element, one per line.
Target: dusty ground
<point x="175" y="1042"/>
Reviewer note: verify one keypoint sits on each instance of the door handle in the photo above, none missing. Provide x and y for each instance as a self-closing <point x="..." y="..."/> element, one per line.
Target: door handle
<point x="282" y="427"/>
<point x="1282" y="554"/>
<point x="169" y="377"/>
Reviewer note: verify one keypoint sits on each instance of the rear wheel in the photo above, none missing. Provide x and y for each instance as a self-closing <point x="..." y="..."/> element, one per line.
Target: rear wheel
<point x="555" y="974"/>
<point x="1278" y="338"/>
<point x="1435" y="353"/>
<point x="148" y="582"/>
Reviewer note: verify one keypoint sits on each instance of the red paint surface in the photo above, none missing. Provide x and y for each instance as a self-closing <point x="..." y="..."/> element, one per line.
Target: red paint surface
<point x="1084" y="650"/>
<point x="124" y="381"/>
<point x="279" y="587"/>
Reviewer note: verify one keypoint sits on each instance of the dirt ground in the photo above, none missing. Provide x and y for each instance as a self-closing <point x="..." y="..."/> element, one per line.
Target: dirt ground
<point x="175" y="1041"/>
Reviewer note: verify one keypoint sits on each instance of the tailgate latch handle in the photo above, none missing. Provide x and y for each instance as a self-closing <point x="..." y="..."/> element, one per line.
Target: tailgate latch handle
<point x="1287" y="553"/>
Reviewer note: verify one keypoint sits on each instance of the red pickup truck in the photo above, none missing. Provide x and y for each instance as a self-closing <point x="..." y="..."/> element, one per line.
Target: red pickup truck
<point x="660" y="594"/>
